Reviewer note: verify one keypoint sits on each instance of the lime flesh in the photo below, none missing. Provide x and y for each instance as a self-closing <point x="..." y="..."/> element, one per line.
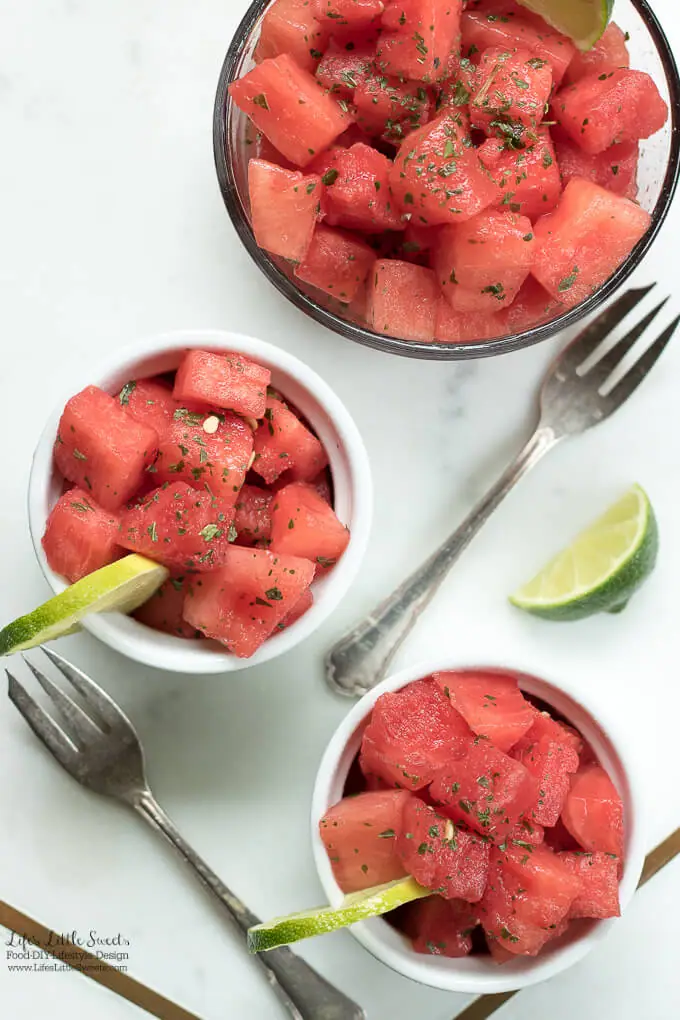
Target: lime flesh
<point x="584" y="21"/>
<point x="602" y="569"/>
<point x="119" y="587"/>
<point x="321" y="920"/>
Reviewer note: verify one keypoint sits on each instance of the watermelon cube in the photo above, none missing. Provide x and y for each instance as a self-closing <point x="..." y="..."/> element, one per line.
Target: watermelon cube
<point x="586" y="238"/>
<point x="512" y="89"/>
<point x="181" y="527"/>
<point x="302" y="606"/>
<point x="336" y="263"/>
<point x="303" y="524"/>
<point x="360" y="836"/>
<point x="402" y="300"/>
<point x="550" y="884"/>
<point x="551" y="762"/>
<point x="609" y="53"/>
<point x="615" y="169"/>
<point x="359" y="196"/>
<point x="413" y="734"/>
<point x="348" y="13"/>
<point x="322" y="484"/>
<point x="593" y="811"/>
<point x="284" y="208"/>
<point x="491" y="704"/>
<point x="437" y="175"/>
<point x="481" y="264"/>
<point x="529" y="179"/>
<point x="509" y="27"/>
<point x="80" y="536"/>
<point x="243" y="604"/>
<point x="228" y="380"/>
<point x="391" y="108"/>
<point x="283" y="443"/>
<point x="286" y="103"/>
<point x="150" y="402"/>
<point x="486" y="790"/>
<point x="341" y="70"/>
<point x="543" y="725"/>
<point x="601" y="110"/>
<point x="440" y="927"/>
<point x="207" y="450"/>
<point x="102" y="448"/>
<point x="599" y="874"/>
<point x="417" y="37"/>
<point x="449" y="861"/>
<point x="501" y="912"/>
<point x="253" y="517"/>
<point x="164" y="611"/>
<point x="532" y="307"/>
<point x="466" y="327"/>
<point x="291" y="27"/>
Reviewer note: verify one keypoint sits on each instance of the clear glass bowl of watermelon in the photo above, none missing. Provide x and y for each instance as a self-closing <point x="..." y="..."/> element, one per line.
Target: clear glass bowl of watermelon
<point x="337" y="194"/>
<point x="515" y="798"/>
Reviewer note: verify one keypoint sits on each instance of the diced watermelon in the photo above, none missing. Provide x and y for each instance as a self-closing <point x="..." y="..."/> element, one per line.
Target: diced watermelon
<point x="354" y="13"/>
<point x="491" y="704"/>
<point x="287" y="104"/>
<point x="341" y="70"/>
<point x="450" y="861"/>
<point x="486" y="790"/>
<point x="511" y="27"/>
<point x="437" y="175"/>
<point x="481" y="264"/>
<point x="303" y="524"/>
<point x="80" y="536"/>
<point x="181" y="527"/>
<point x="290" y="27"/>
<point x="413" y="734"/>
<point x="499" y="954"/>
<point x="150" y="402"/>
<point x="283" y="443"/>
<point x="599" y="874"/>
<point x="302" y="606"/>
<point x="417" y="37"/>
<point x="360" y="836"/>
<point x="543" y="725"/>
<point x="206" y="450"/>
<point x="337" y="263"/>
<point x="359" y="197"/>
<point x="253" y="517"/>
<point x="461" y="82"/>
<point x="532" y="307"/>
<point x="615" y="169"/>
<point x="284" y="208"/>
<point x="608" y="54"/>
<point x="391" y="108"/>
<point x="512" y="89"/>
<point x="102" y="448"/>
<point x="466" y="327"/>
<point x="593" y="812"/>
<point x="501" y="914"/>
<point x="586" y="238"/>
<point x="527" y="831"/>
<point x="551" y="762"/>
<point x="164" y="610"/>
<point x="228" y="380"/>
<point x="529" y="179"/>
<point x="596" y="113"/>
<point x="440" y="927"/>
<point x="402" y="300"/>
<point x="323" y="486"/>
<point x="243" y="604"/>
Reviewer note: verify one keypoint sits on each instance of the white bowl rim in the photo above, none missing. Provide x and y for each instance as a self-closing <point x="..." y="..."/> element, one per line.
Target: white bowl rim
<point x="448" y="974"/>
<point x="163" y="651"/>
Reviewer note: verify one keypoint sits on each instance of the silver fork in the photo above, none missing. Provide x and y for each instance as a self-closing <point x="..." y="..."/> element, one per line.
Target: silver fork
<point x="574" y="397"/>
<point x="97" y="744"/>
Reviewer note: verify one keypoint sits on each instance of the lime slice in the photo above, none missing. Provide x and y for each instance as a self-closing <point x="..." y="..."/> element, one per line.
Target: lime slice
<point x="119" y="587"/>
<point x="584" y="21"/>
<point x="601" y="569"/>
<point x="321" y="920"/>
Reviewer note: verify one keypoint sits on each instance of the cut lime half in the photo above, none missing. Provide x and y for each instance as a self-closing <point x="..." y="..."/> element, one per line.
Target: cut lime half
<point x="601" y="569"/>
<point x="321" y="920"/>
<point x="119" y="587"/>
<point x="584" y="21"/>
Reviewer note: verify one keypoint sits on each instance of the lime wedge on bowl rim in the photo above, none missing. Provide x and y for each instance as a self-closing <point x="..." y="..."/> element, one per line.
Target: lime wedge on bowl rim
<point x="119" y="587"/>
<point x="359" y="906"/>
<point x="584" y="21"/>
<point x="602" y="568"/>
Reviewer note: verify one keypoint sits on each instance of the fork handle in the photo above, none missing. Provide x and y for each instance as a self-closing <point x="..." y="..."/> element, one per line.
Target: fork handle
<point x="361" y="658"/>
<point x="306" y="995"/>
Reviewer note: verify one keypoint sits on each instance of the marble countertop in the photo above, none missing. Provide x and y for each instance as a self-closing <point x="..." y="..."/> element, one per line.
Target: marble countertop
<point x="112" y="228"/>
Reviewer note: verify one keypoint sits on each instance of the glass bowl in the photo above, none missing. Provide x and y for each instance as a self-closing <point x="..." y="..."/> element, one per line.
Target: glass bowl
<point x="233" y="138"/>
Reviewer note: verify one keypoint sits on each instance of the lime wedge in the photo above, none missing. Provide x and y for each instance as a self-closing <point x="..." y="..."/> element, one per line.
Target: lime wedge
<point x="119" y="587"/>
<point x="321" y="920"/>
<point x="584" y="21"/>
<point x="601" y="569"/>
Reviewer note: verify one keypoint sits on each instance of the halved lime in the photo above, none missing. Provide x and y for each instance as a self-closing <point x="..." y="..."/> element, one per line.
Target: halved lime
<point x="119" y="587"/>
<point x="584" y="21"/>
<point x="601" y="569"/>
<point x="321" y="920"/>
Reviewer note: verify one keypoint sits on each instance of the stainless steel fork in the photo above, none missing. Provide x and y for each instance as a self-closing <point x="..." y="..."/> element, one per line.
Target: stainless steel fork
<point x="576" y="395"/>
<point x="96" y="743"/>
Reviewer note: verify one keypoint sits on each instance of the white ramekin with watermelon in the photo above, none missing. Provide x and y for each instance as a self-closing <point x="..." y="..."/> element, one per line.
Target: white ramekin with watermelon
<point x="515" y="799"/>
<point x="224" y="459"/>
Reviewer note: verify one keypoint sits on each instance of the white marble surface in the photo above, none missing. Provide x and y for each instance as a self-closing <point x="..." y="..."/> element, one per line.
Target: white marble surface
<point x="112" y="227"/>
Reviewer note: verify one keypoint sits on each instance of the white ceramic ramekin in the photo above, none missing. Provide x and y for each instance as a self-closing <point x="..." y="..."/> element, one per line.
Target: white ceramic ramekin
<point x="479" y="974"/>
<point x="348" y="463"/>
